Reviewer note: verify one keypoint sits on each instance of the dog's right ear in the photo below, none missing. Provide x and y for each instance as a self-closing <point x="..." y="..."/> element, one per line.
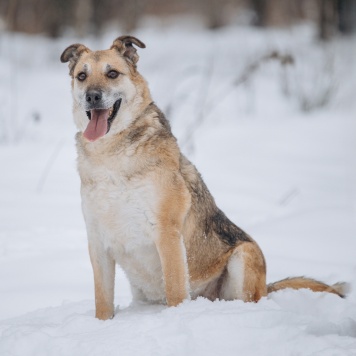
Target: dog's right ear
<point x="71" y="54"/>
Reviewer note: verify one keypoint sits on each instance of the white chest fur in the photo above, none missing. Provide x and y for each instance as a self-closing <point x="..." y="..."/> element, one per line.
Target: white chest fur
<point x="120" y="214"/>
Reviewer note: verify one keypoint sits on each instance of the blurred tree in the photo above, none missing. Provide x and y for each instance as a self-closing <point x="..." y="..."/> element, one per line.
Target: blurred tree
<point x="336" y="15"/>
<point x="83" y="12"/>
<point x="131" y="12"/>
<point x="260" y="9"/>
<point x="214" y="13"/>
<point x="277" y="12"/>
<point x="347" y="16"/>
<point x="57" y="15"/>
<point x="99" y="12"/>
<point x="327" y="18"/>
<point x="36" y="16"/>
<point x="87" y="16"/>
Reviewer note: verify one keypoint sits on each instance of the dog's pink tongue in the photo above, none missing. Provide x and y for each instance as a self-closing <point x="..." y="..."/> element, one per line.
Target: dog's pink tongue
<point x="98" y="125"/>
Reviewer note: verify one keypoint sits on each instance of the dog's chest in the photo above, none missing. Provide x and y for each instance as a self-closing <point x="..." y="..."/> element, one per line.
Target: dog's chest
<point x="121" y="205"/>
<point x="121" y="211"/>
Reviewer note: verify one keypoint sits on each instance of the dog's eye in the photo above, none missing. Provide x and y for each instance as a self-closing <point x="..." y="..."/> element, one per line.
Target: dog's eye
<point x="113" y="74"/>
<point x="81" y="76"/>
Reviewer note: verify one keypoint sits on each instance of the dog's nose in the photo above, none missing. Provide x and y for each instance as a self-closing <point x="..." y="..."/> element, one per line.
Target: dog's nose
<point x="93" y="96"/>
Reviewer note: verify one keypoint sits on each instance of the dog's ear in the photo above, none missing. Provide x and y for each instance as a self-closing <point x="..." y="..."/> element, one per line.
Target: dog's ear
<point x="71" y="54"/>
<point x="124" y="44"/>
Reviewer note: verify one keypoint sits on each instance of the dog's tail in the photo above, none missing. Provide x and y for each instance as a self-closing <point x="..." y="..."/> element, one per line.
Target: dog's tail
<point x="341" y="288"/>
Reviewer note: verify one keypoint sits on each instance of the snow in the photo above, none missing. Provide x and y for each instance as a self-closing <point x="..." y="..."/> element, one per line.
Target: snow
<point x="285" y="176"/>
<point x="290" y="323"/>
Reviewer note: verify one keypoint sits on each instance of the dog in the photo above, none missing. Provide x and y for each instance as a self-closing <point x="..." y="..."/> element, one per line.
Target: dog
<point x="145" y="205"/>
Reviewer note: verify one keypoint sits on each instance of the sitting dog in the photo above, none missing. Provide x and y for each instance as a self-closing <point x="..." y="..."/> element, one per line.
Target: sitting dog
<point x="145" y="205"/>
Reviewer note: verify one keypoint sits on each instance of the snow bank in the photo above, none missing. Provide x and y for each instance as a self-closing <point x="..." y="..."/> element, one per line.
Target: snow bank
<point x="288" y="323"/>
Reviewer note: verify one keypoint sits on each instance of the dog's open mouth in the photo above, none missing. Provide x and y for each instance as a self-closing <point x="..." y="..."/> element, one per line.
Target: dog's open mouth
<point x="100" y="121"/>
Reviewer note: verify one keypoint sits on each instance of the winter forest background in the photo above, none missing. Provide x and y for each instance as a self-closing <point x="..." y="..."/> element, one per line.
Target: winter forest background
<point x="54" y="17"/>
<point x="261" y="97"/>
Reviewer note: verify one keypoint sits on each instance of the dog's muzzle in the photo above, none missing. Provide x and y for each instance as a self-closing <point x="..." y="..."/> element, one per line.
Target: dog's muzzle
<point x="93" y="98"/>
<point x="100" y="119"/>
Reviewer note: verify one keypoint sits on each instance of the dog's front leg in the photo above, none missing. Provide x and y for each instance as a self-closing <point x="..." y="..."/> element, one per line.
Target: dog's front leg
<point x="104" y="279"/>
<point x="174" y="266"/>
<point x="170" y="244"/>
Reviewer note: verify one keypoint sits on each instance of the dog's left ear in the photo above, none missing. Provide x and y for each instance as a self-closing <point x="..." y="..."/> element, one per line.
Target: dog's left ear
<point x="71" y="54"/>
<point x="124" y="44"/>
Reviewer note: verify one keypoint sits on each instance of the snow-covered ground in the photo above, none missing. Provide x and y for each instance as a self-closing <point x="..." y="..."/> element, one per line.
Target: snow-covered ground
<point x="284" y="175"/>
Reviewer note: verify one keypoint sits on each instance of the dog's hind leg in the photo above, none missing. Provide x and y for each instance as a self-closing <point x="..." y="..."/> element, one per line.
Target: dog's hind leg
<point x="245" y="274"/>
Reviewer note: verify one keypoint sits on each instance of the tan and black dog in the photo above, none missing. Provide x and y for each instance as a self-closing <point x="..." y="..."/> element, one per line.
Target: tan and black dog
<point x="145" y="205"/>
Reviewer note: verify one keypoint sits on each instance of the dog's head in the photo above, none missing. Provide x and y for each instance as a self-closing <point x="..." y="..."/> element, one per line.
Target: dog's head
<point x="106" y="87"/>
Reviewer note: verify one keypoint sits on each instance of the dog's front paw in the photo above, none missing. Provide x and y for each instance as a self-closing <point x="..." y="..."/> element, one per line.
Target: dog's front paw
<point x="175" y="301"/>
<point x="104" y="314"/>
